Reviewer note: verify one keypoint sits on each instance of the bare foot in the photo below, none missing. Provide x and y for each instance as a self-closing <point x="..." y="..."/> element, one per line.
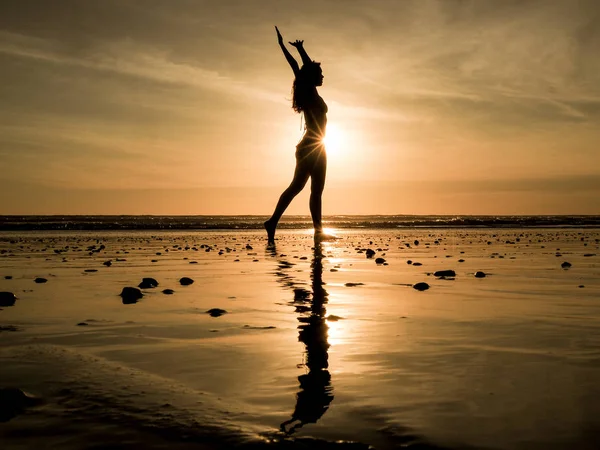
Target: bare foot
<point x="270" y="227"/>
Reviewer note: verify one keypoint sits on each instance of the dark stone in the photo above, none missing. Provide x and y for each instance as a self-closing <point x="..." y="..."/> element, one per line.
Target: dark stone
<point x="479" y="274"/>
<point x="216" y="312"/>
<point x="416" y="242"/>
<point x="379" y="261"/>
<point x="409" y="262"/>
<point x="354" y="284"/>
<point x="416" y="264"/>
<point x="168" y="291"/>
<point x="565" y="265"/>
<point x="130" y="295"/>
<point x="107" y="263"/>
<point x="422" y="286"/>
<point x="40" y="280"/>
<point x="8" y="277"/>
<point x="333" y="318"/>
<point x="370" y="253"/>
<point x="445" y="273"/>
<point x="14" y="401"/>
<point x="82" y="324"/>
<point x="185" y="281"/>
<point x="148" y="283"/>
<point x="91" y="270"/>
<point x="7" y="299"/>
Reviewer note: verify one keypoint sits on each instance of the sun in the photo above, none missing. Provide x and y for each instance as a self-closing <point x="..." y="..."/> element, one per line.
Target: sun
<point x="334" y="140"/>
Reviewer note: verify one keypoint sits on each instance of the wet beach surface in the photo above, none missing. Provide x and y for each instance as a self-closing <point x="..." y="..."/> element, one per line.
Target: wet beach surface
<point x="302" y="345"/>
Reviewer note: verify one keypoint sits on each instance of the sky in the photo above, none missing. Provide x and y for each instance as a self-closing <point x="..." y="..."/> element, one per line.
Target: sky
<point x="183" y="107"/>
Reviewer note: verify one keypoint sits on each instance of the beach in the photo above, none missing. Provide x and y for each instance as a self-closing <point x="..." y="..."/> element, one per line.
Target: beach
<point x="302" y="345"/>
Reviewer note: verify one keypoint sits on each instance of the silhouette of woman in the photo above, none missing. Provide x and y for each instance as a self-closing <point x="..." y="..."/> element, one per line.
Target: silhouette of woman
<point x="311" y="160"/>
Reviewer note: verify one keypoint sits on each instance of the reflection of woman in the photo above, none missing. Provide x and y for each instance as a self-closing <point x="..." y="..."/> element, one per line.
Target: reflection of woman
<point x="311" y="160"/>
<point x="316" y="392"/>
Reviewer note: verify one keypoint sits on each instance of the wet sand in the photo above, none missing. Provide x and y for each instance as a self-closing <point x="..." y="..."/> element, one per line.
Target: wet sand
<point x="306" y="346"/>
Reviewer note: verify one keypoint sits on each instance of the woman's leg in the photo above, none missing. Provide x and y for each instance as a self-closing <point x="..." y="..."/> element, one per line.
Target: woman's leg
<point x="317" y="184"/>
<point x="301" y="175"/>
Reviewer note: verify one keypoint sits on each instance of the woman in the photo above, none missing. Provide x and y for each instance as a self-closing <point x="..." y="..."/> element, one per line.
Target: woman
<point x="311" y="160"/>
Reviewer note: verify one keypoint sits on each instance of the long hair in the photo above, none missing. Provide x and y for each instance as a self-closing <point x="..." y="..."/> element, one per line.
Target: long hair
<point x="303" y="86"/>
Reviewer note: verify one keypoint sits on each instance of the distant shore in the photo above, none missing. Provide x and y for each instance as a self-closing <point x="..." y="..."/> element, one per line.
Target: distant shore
<point x="255" y="222"/>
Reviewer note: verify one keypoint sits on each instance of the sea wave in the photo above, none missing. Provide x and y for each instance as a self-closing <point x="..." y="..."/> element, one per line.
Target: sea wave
<point x="249" y="222"/>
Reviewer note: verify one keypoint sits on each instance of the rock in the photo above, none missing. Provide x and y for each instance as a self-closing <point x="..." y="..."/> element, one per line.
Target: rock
<point x="216" y="312"/>
<point x="416" y="264"/>
<point x="354" y="284"/>
<point x="107" y="263"/>
<point x="40" y="280"/>
<point x="91" y="270"/>
<point x="8" y="277"/>
<point x="444" y="273"/>
<point x="148" y="283"/>
<point x="130" y="295"/>
<point x="370" y="253"/>
<point x="565" y="265"/>
<point x="13" y="401"/>
<point x="185" y="281"/>
<point x="409" y="262"/>
<point x="82" y="324"/>
<point x="379" y="260"/>
<point x="416" y="242"/>
<point x="479" y="274"/>
<point x="333" y="318"/>
<point x="422" y="286"/>
<point x="168" y="291"/>
<point x="7" y="299"/>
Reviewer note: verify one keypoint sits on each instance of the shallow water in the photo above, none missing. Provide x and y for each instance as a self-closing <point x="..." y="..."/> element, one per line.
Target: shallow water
<point x="508" y="361"/>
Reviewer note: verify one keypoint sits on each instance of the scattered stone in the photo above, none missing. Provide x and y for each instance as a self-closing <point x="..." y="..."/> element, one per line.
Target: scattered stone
<point x="107" y="263"/>
<point x="479" y="274"/>
<point x="409" y="262"/>
<point x="565" y="265"/>
<point x="91" y="270"/>
<point x="354" y="284"/>
<point x="590" y="254"/>
<point x="422" y="286"/>
<point x="249" y="327"/>
<point x="216" y="312"/>
<point x="82" y="324"/>
<point x="461" y="260"/>
<point x="581" y="286"/>
<point x="185" y="281"/>
<point x="417" y="264"/>
<point x="444" y="273"/>
<point x="370" y="253"/>
<point x="168" y="291"/>
<point x="40" y="280"/>
<point x="8" y="277"/>
<point x="333" y="318"/>
<point x="14" y="401"/>
<point x="379" y="260"/>
<point x="148" y="283"/>
<point x="7" y="299"/>
<point x="9" y="328"/>
<point x="130" y="295"/>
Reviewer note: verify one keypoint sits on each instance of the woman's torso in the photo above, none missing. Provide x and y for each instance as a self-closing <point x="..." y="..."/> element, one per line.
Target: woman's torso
<point x="315" y="118"/>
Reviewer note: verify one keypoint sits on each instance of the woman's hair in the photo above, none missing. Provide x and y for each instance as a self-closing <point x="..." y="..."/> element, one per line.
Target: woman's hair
<point x="304" y="84"/>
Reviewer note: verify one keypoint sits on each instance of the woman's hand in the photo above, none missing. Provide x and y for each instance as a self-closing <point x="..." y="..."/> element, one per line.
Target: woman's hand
<point x="279" y="36"/>
<point x="297" y="43"/>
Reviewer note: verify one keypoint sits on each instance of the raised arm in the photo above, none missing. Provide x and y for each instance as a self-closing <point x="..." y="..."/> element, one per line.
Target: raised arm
<point x="300" y="47"/>
<point x="288" y="56"/>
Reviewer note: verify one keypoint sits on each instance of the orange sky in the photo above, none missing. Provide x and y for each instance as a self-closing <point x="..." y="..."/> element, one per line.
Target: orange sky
<point x="182" y="107"/>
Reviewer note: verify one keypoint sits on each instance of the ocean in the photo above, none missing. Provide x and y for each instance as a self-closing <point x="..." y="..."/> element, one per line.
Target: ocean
<point x="255" y="222"/>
